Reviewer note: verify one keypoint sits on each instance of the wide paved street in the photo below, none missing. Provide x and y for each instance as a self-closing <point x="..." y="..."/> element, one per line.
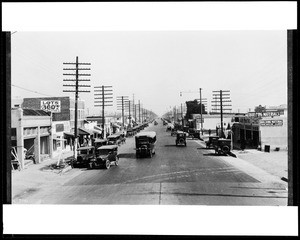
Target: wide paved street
<point x="189" y="175"/>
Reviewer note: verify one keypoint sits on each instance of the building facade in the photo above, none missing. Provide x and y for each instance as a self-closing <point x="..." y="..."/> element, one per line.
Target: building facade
<point x="31" y="131"/>
<point x="63" y="118"/>
<point x="274" y="128"/>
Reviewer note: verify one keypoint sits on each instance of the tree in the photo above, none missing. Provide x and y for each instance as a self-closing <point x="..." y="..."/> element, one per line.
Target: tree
<point x="193" y="107"/>
<point x="260" y="109"/>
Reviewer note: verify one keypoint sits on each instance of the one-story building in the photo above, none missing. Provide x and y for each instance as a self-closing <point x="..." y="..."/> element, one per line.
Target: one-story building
<point x="31" y="131"/>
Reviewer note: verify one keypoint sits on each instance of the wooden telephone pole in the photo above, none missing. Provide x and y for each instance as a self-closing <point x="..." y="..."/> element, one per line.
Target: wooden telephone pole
<point x="219" y="98"/>
<point x="121" y="105"/>
<point x="76" y="85"/>
<point x="105" y="92"/>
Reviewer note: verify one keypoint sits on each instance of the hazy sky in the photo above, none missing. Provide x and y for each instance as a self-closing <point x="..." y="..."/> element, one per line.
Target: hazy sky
<point x="156" y="66"/>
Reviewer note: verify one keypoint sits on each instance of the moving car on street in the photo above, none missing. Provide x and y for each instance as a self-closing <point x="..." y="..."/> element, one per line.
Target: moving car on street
<point x="105" y="156"/>
<point x="84" y="156"/>
<point x="145" y="143"/>
<point x="180" y="138"/>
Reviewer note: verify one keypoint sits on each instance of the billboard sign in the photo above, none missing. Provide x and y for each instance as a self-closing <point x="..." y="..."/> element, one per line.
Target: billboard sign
<point x="271" y="123"/>
<point x="51" y="105"/>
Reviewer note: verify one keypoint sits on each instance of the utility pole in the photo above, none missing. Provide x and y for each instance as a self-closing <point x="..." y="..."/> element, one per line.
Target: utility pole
<point x="133" y="110"/>
<point x="139" y="111"/>
<point x="182" y="116"/>
<point x="105" y="93"/>
<point x="76" y="80"/>
<point x="219" y="98"/>
<point x="120" y="105"/>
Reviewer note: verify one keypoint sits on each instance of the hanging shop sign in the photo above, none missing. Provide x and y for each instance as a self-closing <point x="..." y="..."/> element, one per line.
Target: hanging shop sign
<point x="271" y="123"/>
<point x="51" y="105"/>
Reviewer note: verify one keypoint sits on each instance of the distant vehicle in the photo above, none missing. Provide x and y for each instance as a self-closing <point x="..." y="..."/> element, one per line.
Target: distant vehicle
<point x="145" y="143"/>
<point x="180" y="138"/>
<point x="84" y="156"/>
<point x="223" y="146"/>
<point x="114" y="139"/>
<point x="105" y="156"/>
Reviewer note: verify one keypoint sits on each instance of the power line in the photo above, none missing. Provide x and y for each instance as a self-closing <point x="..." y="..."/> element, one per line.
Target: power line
<point x="30" y="90"/>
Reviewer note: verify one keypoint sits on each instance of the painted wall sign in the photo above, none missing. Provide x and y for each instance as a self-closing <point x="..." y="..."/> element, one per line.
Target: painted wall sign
<point x="271" y="123"/>
<point x="51" y="105"/>
<point x="273" y="113"/>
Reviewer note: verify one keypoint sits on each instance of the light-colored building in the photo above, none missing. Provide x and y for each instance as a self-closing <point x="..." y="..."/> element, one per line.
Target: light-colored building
<point x="274" y="128"/>
<point x="212" y="121"/>
<point x="31" y="130"/>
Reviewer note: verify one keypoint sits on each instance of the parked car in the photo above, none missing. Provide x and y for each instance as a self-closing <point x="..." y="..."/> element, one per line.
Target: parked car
<point x="84" y="156"/>
<point x="105" y="156"/>
<point x="145" y="143"/>
<point x="212" y="141"/>
<point x="223" y="146"/>
<point x="114" y="139"/>
<point x="180" y="138"/>
<point x="100" y="142"/>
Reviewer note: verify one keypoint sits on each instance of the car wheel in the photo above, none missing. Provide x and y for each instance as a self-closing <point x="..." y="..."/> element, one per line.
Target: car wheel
<point x="107" y="164"/>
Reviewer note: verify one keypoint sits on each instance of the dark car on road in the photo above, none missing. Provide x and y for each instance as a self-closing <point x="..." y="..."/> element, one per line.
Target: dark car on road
<point x="180" y="138"/>
<point x="105" y="156"/>
<point x="223" y="146"/>
<point x="145" y="143"/>
<point x="84" y="156"/>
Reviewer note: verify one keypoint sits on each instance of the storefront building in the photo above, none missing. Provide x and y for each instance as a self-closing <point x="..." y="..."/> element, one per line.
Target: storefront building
<point x="274" y="128"/>
<point x="63" y="119"/>
<point x="31" y="132"/>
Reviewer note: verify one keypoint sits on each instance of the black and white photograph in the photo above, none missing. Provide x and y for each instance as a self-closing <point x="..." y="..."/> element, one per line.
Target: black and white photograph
<point x="150" y="118"/>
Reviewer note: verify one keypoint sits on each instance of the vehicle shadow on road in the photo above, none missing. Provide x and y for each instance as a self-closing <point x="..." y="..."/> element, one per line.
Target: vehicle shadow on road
<point x="126" y="155"/>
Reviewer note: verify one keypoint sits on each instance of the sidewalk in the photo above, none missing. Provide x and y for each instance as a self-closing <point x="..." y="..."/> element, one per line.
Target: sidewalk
<point x="36" y="176"/>
<point x="273" y="162"/>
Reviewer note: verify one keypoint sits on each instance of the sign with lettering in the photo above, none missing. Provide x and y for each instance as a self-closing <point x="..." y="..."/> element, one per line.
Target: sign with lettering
<point x="271" y="123"/>
<point x="51" y="105"/>
<point x="273" y="113"/>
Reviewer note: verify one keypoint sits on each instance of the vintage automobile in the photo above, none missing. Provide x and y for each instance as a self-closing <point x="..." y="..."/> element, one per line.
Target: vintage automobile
<point x="123" y="137"/>
<point x="223" y="146"/>
<point x="114" y="139"/>
<point x="84" y="156"/>
<point x="180" y="138"/>
<point x="100" y="142"/>
<point x="145" y="143"/>
<point x="105" y="156"/>
<point x="212" y="141"/>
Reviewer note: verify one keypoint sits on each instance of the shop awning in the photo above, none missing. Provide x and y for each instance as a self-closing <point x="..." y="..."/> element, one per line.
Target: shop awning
<point x="69" y="134"/>
<point x="83" y="131"/>
<point x="98" y="128"/>
<point x="97" y="131"/>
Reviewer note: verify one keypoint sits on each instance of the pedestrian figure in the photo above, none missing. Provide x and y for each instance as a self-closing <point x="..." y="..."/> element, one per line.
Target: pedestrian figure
<point x="209" y="132"/>
<point x="243" y="144"/>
